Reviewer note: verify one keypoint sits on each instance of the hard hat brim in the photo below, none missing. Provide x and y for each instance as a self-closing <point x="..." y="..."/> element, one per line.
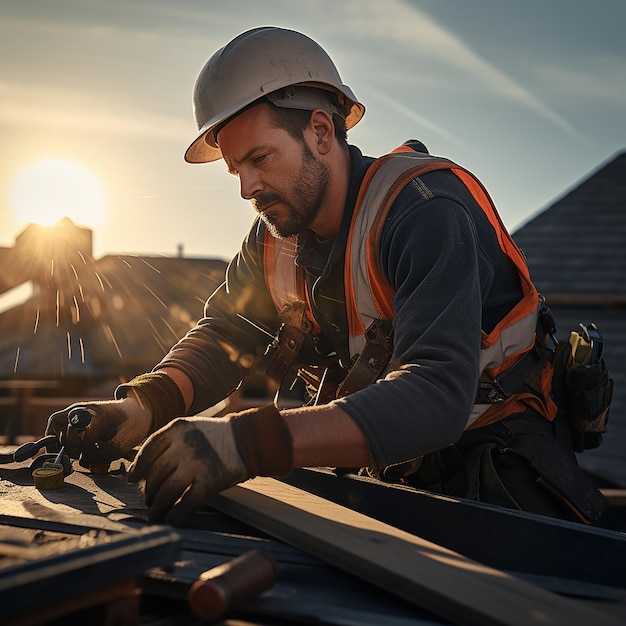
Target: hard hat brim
<point x="204" y="148"/>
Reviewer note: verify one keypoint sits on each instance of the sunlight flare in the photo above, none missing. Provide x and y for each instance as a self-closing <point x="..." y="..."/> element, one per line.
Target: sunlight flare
<point x="51" y="189"/>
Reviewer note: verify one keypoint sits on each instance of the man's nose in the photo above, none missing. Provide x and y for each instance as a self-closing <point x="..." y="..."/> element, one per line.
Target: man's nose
<point x="249" y="185"/>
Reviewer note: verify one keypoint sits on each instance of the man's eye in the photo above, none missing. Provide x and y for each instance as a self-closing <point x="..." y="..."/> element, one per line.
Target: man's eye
<point x="260" y="158"/>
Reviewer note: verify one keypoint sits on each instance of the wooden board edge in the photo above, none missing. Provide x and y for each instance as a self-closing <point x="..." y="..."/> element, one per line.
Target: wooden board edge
<point x="424" y="573"/>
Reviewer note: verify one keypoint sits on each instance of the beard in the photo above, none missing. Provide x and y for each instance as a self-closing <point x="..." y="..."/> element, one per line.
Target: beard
<point x="304" y="198"/>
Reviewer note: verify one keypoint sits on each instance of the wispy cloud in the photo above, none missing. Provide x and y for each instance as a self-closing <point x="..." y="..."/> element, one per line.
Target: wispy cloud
<point x="413" y="115"/>
<point x="597" y="78"/>
<point x="68" y="110"/>
<point x="423" y="40"/>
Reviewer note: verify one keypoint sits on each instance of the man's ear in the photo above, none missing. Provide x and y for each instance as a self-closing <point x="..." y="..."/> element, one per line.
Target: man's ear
<point x="323" y="130"/>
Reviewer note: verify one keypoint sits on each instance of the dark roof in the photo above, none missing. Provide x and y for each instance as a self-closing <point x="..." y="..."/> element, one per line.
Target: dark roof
<point x="577" y="247"/>
<point x="576" y="252"/>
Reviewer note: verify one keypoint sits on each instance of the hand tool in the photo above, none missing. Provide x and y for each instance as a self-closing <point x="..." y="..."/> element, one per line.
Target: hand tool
<point x="226" y="586"/>
<point x="51" y="474"/>
<point x="31" y="448"/>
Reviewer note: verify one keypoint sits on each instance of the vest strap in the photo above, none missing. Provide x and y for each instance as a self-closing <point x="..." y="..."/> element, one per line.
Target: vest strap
<point x="373" y="359"/>
<point x="293" y="331"/>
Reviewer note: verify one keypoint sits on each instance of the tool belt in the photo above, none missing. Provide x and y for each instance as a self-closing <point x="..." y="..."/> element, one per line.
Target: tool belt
<point x="471" y="458"/>
<point x="581" y="385"/>
<point x="327" y="381"/>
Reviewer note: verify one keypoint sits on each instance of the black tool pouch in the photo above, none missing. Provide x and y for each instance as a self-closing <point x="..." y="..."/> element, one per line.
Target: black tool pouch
<point x="583" y="388"/>
<point x="588" y="392"/>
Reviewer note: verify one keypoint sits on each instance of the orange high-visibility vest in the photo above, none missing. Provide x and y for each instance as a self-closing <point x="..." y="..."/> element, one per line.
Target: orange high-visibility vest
<point x="369" y="295"/>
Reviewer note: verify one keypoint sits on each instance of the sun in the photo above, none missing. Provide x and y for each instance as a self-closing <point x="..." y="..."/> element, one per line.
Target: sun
<point x="51" y="189"/>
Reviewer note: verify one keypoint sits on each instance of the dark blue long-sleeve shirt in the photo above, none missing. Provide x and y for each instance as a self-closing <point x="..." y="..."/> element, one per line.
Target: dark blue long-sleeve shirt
<point x="451" y="281"/>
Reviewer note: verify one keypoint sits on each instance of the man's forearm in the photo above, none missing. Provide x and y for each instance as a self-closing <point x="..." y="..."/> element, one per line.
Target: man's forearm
<point x="326" y="436"/>
<point x="323" y="436"/>
<point x="184" y="384"/>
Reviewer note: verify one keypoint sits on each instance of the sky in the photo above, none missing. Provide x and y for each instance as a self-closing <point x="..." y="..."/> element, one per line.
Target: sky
<point x="95" y="104"/>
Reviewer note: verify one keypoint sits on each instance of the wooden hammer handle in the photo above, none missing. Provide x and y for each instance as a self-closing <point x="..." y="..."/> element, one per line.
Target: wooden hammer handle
<point x="226" y="586"/>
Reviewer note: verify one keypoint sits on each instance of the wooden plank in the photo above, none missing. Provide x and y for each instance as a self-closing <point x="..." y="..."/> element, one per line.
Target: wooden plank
<point x="424" y="573"/>
<point x="616" y="497"/>
<point x="544" y="546"/>
<point x="115" y="601"/>
<point x="81" y="566"/>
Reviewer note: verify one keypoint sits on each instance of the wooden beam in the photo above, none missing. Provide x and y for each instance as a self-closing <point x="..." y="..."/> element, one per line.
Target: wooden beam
<point x="423" y="573"/>
<point x="616" y="497"/>
<point x="586" y="299"/>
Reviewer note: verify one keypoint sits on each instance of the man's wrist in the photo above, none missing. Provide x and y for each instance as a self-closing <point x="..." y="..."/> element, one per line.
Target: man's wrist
<point x="157" y="392"/>
<point x="264" y="441"/>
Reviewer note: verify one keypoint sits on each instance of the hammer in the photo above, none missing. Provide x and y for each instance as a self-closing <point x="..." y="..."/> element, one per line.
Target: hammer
<point x="226" y="586"/>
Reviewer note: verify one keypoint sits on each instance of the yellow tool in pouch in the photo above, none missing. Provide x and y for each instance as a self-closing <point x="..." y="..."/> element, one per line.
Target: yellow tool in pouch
<point x="588" y="388"/>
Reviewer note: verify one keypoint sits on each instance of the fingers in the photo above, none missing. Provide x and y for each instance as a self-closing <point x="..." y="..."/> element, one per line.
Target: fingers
<point x="161" y="464"/>
<point x="167" y="494"/>
<point x="73" y="442"/>
<point x="97" y="442"/>
<point x="57" y="426"/>
<point x="159" y="474"/>
<point x="99" y="454"/>
<point x="184" y="464"/>
<point x="153" y="448"/>
<point x="191" y="500"/>
<point x="177" y="498"/>
<point x="166" y="479"/>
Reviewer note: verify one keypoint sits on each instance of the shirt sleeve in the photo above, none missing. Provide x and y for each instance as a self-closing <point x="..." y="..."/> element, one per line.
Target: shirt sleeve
<point x="430" y="253"/>
<point x="239" y="322"/>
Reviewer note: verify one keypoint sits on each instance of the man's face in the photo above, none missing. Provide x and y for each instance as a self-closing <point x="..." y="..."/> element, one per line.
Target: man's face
<point x="282" y="177"/>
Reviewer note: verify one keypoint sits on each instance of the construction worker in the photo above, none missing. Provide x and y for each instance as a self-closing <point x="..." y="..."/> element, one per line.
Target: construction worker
<point x="388" y="286"/>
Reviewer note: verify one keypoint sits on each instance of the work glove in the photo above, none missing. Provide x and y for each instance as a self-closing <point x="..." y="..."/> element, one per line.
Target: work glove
<point x="112" y="429"/>
<point x="185" y="463"/>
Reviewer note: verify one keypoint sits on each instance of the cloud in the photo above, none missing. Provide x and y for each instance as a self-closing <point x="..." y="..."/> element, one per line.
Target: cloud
<point x="412" y="115"/>
<point x="390" y="35"/>
<point x="395" y="24"/>
<point x="599" y="78"/>
<point x="64" y="109"/>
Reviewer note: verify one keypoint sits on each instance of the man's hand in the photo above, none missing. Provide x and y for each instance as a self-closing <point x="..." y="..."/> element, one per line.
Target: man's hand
<point x="192" y="459"/>
<point x="116" y="427"/>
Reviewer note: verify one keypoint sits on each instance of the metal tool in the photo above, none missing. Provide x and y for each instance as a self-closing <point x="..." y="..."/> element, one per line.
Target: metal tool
<point x="31" y="448"/>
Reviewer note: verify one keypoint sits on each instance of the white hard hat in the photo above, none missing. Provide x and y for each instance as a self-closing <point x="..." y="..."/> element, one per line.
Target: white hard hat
<point x="290" y="66"/>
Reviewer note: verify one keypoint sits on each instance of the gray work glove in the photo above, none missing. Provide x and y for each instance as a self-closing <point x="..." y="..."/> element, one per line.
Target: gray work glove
<point x="116" y="426"/>
<point x="141" y="405"/>
<point x="192" y="459"/>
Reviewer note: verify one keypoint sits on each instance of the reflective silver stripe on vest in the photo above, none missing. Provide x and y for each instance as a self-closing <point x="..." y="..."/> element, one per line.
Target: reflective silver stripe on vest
<point x="285" y="275"/>
<point x="387" y="174"/>
<point x="516" y="338"/>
